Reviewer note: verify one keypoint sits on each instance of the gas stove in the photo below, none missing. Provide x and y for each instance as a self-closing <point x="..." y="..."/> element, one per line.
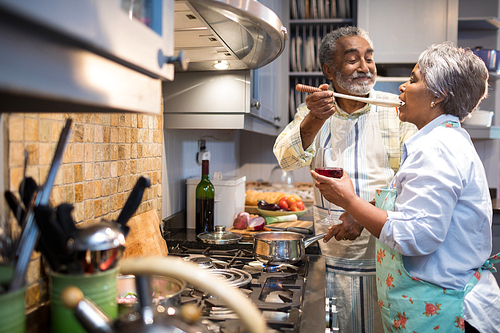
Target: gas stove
<point x="290" y="297"/>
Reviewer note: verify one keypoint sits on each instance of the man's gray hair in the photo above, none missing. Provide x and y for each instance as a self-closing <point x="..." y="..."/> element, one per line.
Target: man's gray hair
<point x="456" y="74"/>
<point x="329" y="46"/>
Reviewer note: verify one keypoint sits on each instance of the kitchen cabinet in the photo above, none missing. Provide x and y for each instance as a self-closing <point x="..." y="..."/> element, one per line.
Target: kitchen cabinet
<point x="401" y="30"/>
<point x="248" y="99"/>
<point x="92" y="56"/>
<point x="308" y="26"/>
<point x="479" y="26"/>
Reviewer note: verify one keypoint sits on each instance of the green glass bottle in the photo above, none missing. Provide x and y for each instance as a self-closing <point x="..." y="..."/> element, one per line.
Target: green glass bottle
<point x="205" y="194"/>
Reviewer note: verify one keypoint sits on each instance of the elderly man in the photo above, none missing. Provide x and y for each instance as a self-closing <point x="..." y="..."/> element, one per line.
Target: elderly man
<point x="370" y="138"/>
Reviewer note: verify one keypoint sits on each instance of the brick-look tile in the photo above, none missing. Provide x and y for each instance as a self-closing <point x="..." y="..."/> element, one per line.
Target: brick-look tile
<point x="126" y="168"/>
<point x="105" y="205"/>
<point x="128" y="135"/>
<point x="114" y="119"/>
<point x="98" y="133"/>
<point x="31" y="129"/>
<point x="78" y="152"/>
<point x="88" y="171"/>
<point x="78" y="117"/>
<point x="68" y="154"/>
<point x="133" y="135"/>
<point x="98" y="152"/>
<point x="133" y="167"/>
<point x="121" y="168"/>
<point x="106" y="119"/>
<point x="78" y="192"/>
<point x="139" y="151"/>
<point x="59" y="176"/>
<point x="57" y="195"/>
<point x="56" y="129"/>
<point x="98" y="119"/>
<point x="121" y="135"/>
<point x="113" y="202"/>
<point x="133" y="151"/>
<point x="133" y="120"/>
<point x="78" y="169"/>
<point x="45" y="153"/>
<point x="32" y="149"/>
<point x="106" y="152"/>
<point x="97" y="170"/>
<point x="15" y="178"/>
<point x="32" y="296"/>
<point x="69" y="193"/>
<point x="140" y="123"/>
<point x="89" y="118"/>
<point x="88" y="190"/>
<point x="89" y="209"/>
<point x="79" y="212"/>
<point x="121" y="200"/>
<point x="97" y="189"/>
<point x="68" y="173"/>
<point x="16" y="128"/>
<point x="106" y="134"/>
<point x="97" y="207"/>
<point x="122" y="184"/>
<point x="106" y="169"/>
<point x="78" y="132"/>
<point x="113" y="152"/>
<point x="106" y="187"/>
<point x="88" y="134"/>
<point x="16" y="154"/>
<point x="44" y="132"/>
<point x="113" y="170"/>
<point x="33" y="272"/>
<point x="89" y="152"/>
<point x="114" y="136"/>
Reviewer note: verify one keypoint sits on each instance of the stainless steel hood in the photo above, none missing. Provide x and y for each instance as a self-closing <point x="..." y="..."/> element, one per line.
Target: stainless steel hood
<point x="244" y="33"/>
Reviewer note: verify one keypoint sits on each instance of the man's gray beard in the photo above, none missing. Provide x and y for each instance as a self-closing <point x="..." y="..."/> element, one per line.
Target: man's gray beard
<point x="361" y="89"/>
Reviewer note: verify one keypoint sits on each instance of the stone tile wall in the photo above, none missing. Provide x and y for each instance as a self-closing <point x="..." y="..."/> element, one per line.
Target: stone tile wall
<point x="102" y="161"/>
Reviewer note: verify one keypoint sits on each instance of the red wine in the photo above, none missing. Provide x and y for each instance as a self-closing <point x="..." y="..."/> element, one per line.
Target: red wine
<point x="333" y="172"/>
<point x="204" y="215"/>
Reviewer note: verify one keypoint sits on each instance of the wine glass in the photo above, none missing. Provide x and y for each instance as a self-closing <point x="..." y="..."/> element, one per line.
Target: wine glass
<point x="328" y="163"/>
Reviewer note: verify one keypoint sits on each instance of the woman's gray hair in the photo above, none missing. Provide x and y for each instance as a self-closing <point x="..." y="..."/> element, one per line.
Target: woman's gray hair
<point x="329" y="46"/>
<point x="456" y="74"/>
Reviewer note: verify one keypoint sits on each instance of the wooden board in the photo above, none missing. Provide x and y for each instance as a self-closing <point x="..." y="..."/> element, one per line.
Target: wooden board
<point x="144" y="238"/>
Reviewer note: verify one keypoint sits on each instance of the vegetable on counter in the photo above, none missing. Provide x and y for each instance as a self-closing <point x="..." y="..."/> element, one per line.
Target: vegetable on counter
<point x="241" y="220"/>
<point x="284" y="218"/>
<point x="256" y="223"/>
<point x="267" y="206"/>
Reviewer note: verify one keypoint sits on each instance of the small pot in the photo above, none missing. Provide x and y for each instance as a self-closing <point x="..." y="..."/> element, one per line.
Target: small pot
<point x="284" y="247"/>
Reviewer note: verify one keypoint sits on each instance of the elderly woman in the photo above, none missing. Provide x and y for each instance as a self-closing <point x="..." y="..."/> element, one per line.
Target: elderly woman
<point x="434" y="228"/>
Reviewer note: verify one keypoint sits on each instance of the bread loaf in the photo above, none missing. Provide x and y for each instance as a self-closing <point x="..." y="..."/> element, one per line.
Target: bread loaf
<point x="252" y="197"/>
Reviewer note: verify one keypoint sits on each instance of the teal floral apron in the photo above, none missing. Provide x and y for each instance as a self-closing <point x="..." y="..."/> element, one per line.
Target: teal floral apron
<point x="409" y="304"/>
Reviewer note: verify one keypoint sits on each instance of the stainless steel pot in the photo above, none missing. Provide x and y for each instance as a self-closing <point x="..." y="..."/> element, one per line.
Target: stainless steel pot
<point x="284" y="247"/>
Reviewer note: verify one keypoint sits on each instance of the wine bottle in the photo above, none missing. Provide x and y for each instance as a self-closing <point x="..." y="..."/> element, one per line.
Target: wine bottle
<point x="205" y="194"/>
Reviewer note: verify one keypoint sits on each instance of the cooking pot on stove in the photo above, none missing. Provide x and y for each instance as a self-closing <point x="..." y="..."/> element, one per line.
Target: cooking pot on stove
<point x="281" y="247"/>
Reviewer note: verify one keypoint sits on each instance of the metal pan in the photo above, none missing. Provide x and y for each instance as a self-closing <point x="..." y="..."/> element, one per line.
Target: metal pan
<point x="274" y="247"/>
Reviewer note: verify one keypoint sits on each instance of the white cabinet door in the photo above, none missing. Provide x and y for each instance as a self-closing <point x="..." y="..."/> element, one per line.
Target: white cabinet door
<point x="402" y="29"/>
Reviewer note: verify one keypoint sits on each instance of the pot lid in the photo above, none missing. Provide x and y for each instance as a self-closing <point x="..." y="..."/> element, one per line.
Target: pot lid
<point x="220" y="236"/>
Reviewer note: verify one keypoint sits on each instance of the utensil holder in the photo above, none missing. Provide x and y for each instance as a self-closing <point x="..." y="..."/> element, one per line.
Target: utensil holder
<point x="12" y="315"/>
<point x="101" y="288"/>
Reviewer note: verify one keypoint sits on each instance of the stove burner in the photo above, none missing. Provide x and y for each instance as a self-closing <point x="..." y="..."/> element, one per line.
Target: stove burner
<point x="203" y="262"/>
<point x="234" y="277"/>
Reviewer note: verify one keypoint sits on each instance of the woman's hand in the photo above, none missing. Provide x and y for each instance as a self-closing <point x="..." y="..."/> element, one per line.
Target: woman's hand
<point x="349" y="229"/>
<point x="337" y="191"/>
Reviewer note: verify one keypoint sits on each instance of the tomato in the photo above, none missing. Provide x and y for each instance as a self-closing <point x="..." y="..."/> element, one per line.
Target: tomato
<point x="292" y="204"/>
<point x="300" y="205"/>
<point x="283" y="203"/>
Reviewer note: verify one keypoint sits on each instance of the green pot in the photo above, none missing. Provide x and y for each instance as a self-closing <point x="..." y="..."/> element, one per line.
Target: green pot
<point x="100" y="288"/>
<point x="12" y="308"/>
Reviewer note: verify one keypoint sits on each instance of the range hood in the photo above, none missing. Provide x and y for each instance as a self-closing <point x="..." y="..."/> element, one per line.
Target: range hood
<point x="244" y="33"/>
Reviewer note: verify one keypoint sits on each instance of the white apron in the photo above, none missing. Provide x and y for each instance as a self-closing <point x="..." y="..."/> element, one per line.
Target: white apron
<point x="351" y="264"/>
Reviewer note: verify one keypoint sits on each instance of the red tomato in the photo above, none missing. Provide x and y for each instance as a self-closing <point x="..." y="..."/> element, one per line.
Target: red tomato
<point x="300" y="205"/>
<point x="283" y="203"/>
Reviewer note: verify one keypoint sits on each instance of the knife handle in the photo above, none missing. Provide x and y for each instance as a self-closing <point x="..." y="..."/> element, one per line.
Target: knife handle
<point x="133" y="201"/>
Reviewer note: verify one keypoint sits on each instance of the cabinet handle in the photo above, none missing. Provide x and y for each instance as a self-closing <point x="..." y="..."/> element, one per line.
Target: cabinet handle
<point x="277" y="118"/>
<point x="256" y="105"/>
<point x="181" y="59"/>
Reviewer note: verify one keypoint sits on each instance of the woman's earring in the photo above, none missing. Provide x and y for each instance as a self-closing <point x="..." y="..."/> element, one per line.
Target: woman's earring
<point x="433" y="104"/>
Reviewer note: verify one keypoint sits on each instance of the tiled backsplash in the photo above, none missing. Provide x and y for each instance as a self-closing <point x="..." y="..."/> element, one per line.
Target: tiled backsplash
<point x="102" y="161"/>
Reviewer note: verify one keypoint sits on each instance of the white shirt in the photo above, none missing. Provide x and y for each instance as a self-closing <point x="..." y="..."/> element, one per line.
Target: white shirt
<point x="443" y="213"/>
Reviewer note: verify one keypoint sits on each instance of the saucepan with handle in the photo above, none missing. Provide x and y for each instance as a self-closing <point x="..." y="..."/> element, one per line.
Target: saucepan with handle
<point x="281" y="247"/>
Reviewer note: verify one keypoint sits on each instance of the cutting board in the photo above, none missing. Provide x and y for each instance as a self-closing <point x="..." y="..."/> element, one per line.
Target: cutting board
<point x="247" y="233"/>
<point x="144" y="238"/>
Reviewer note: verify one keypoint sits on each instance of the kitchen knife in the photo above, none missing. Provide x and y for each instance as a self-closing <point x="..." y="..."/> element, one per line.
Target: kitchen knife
<point x="291" y="229"/>
<point x="63" y="213"/>
<point x="132" y="203"/>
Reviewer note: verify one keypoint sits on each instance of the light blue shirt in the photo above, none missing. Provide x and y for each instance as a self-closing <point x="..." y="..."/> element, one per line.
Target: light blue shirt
<point x="443" y="214"/>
